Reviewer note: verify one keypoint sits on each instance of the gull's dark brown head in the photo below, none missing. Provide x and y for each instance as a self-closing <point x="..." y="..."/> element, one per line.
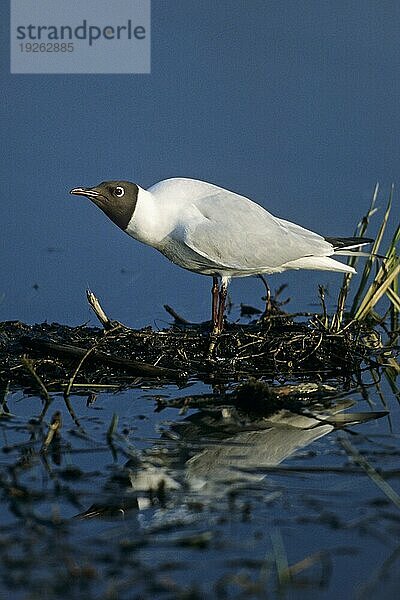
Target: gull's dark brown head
<point x="117" y="199"/>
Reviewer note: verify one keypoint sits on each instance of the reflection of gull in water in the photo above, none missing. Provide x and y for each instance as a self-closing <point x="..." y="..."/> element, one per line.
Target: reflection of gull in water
<point x="262" y="443"/>
<point x="280" y="436"/>
<point x="213" y="451"/>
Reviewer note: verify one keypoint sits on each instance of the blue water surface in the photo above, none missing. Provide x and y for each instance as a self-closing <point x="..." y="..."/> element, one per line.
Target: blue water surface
<point x="292" y="104"/>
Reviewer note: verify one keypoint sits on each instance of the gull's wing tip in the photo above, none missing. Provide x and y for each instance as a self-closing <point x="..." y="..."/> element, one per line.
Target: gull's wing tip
<point x="348" y="243"/>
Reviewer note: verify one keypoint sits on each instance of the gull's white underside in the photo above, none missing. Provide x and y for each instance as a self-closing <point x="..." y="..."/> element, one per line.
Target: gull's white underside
<point x="210" y="230"/>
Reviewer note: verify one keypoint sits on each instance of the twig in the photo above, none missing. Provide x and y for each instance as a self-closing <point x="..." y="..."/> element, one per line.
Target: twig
<point x="321" y="291"/>
<point x="138" y="368"/>
<point x="55" y="425"/>
<point x="28" y="364"/>
<point x="107" y="386"/>
<point x="178" y="319"/>
<point x="100" y="314"/>
<point x="72" y="412"/>
<point x="78" y="368"/>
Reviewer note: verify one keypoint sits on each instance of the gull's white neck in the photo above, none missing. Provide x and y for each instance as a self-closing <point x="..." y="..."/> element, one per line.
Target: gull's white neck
<point x="152" y="219"/>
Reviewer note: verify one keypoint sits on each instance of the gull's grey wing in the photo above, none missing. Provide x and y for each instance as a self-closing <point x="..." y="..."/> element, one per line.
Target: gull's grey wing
<point x="236" y="233"/>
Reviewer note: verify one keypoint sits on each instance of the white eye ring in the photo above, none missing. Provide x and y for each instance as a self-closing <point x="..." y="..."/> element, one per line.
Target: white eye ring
<point x="119" y="191"/>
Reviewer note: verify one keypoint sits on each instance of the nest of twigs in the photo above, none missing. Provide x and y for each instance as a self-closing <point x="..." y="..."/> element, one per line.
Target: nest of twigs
<point x="54" y="356"/>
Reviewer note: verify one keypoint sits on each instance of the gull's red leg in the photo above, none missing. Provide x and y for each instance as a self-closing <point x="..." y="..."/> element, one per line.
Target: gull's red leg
<point x="215" y="295"/>
<point x="268" y="304"/>
<point x="221" y="308"/>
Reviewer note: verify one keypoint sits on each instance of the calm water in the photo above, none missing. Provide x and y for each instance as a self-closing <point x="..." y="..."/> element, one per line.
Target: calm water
<point x="234" y="501"/>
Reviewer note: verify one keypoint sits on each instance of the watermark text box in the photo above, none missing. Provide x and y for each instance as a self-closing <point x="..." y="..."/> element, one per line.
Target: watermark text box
<point x="80" y="36"/>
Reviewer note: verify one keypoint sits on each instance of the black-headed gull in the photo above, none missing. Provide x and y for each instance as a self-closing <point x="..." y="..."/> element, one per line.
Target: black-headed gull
<point x="209" y="230"/>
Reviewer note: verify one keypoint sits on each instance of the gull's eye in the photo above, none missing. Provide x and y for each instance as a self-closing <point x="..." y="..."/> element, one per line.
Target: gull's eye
<point x="119" y="191"/>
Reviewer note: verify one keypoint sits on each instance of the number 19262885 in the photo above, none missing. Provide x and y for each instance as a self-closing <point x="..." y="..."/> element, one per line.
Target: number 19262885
<point x="47" y="47"/>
